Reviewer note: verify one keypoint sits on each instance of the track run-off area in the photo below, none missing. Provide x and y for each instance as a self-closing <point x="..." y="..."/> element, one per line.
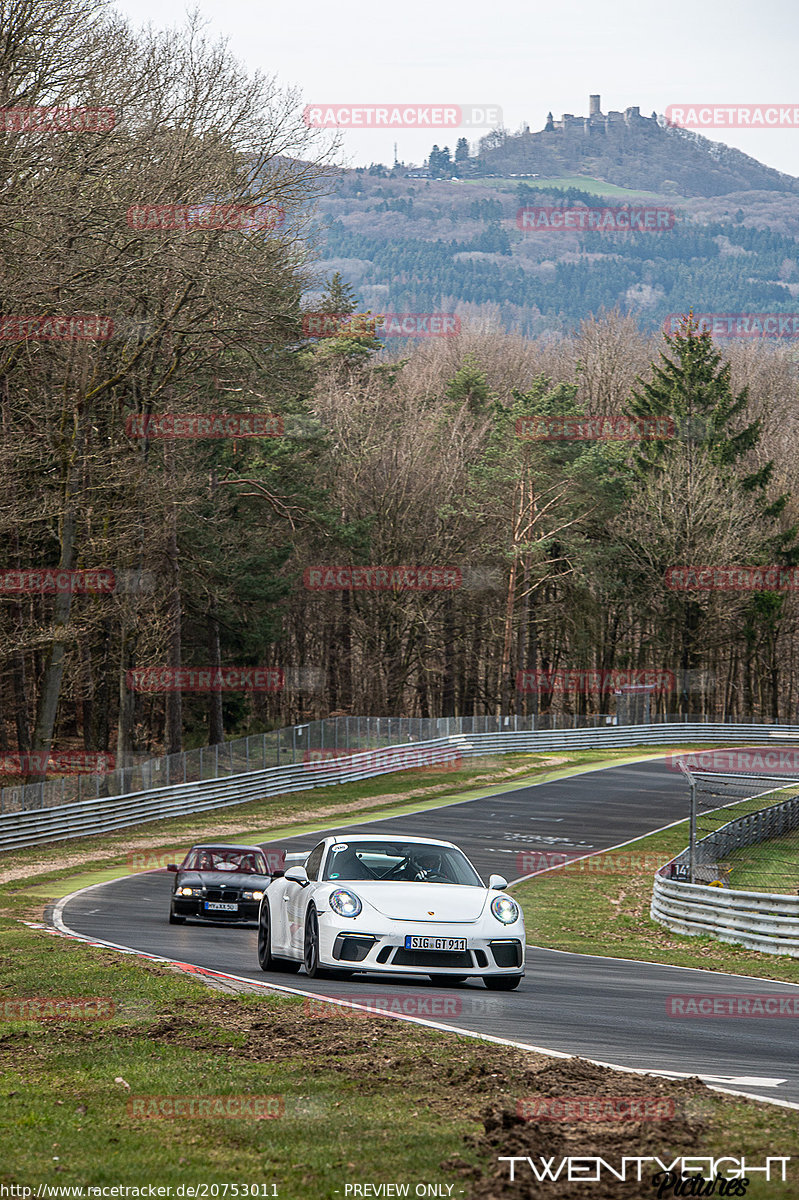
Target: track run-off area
<point x="612" y="1011"/>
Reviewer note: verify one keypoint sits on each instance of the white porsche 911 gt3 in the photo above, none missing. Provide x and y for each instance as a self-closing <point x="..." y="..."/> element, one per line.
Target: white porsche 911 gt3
<point x="398" y="905"/>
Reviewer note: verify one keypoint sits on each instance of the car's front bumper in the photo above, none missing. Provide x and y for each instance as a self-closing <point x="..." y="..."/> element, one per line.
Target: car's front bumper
<point x="194" y="908"/>
<point x="365" y="946"/>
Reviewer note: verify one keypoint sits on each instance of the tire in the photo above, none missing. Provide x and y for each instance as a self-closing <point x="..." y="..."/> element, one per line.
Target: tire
<point x="266" y="960"/>
<point x="174" y="919"/>
<point x="311" y="947"/>
<point x="443" y="980"/>
<point x="502" y="983"/>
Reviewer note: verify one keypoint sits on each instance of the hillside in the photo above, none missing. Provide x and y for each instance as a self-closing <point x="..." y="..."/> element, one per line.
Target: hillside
<point x="628" y="150"/>
<point x="414" y="245"/>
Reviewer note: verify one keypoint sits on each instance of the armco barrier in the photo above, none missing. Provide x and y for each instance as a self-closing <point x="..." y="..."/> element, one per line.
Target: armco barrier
<point x="764" y="921"/>
<point x="98" y="815"/>
<point x="761" y="920"/>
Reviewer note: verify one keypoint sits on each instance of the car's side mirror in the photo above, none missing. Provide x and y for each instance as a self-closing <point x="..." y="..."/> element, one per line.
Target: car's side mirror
<point x="297" y="875"/>
<point x="171" y="866"/>
<point x="497" y="882"/>
<point x="277" y="873"/>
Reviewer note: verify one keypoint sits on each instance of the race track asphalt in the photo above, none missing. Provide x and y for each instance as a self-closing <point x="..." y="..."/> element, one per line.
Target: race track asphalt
<point x="610" y="1010"/>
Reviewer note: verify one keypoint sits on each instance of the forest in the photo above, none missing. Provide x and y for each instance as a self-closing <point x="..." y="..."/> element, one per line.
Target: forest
<point x="268" y="527"/>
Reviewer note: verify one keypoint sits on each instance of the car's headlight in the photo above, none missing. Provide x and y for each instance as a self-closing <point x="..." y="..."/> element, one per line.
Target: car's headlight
<point x="505" y="909"/>
<point x="252" y="895"/>
<point x="345" y="903"/>
<point x="185" y="891"/>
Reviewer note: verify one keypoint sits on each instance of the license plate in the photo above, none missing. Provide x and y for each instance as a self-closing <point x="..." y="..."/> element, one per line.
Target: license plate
<point x="414" y="942"/>
<point x="220" y="906"/>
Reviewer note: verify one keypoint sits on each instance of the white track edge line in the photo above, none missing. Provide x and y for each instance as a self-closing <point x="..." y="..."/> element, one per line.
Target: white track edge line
<point x="437" y="1025"/>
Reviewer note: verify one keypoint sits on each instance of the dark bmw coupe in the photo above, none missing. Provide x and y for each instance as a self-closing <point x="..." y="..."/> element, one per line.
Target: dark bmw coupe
<point x="219" y="883"/>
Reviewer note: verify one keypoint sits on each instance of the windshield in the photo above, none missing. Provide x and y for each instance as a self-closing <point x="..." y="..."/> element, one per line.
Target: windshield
<point x="223" y="858"/>
<point x="413" y="862"/>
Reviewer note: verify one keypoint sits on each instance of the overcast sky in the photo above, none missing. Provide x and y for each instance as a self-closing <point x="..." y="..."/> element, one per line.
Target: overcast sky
<point x="521" y="55"/>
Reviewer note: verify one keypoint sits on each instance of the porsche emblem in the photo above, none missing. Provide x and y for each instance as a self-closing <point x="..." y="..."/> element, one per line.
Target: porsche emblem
<point x="431" y="914"/>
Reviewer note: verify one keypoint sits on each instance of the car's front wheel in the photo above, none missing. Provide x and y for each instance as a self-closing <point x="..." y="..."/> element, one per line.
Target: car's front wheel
<point x="502" y="983"/>
<point x="266" y="959"/>
<point x="311" y="948"/>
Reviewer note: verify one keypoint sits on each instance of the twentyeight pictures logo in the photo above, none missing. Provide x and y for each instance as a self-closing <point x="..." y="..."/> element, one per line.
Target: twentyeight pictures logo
<point x="402" y="116"/>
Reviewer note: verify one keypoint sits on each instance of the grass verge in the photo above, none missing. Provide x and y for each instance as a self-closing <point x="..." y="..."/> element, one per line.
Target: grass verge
<point x="361" y="1100"/>
<point x="771" y="866"/>
<point x="600" y="905"/>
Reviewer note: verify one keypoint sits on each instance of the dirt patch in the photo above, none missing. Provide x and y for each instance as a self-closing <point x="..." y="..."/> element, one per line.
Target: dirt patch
<point x="679" y="1113"/>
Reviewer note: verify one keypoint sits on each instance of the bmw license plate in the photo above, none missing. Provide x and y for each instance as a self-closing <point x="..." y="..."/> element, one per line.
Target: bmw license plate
<point x="415" y="942"/>
<point x="220" y="906"/>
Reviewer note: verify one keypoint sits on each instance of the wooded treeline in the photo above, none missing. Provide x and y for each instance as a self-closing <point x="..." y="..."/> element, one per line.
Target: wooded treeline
<point x="562" y="546"/>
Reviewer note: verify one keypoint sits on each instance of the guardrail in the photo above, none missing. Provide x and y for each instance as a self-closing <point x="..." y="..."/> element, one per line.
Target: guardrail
<point x="761" y="920"/>
<point x="330" y="736"/>
<point x="100" y="815"/>
<point x="765" y="921"/>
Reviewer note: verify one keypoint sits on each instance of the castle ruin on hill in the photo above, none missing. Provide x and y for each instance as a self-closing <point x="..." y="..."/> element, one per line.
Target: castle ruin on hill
<point x="597" y="121"/>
